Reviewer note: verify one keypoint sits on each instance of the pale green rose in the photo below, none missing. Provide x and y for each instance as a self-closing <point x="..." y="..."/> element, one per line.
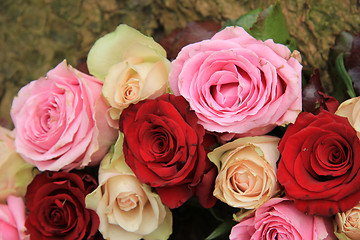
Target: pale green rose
<point x="127" y="209"/>
<point x="247" y="171"/>
<point x="347" y="225"/>
<point x="15" y="173"/>
<point x="132" y="66"/>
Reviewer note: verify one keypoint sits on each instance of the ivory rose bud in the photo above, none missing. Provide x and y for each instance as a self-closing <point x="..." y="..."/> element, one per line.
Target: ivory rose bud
<point x="59" y="121"/>
<point x="247" y="171"/>
<point x="127" y="209"/>
<point x="12" y="219"/>
<point x="133" y="67"/>
<point x="238" y="84"/>
<point x="348" y="224"/>
<point x="15" y="173"/>
<point x="351" y="110"/>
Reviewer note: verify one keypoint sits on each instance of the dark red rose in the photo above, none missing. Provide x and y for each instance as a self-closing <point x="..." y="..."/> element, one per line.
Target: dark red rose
<point x="56" y="204"/>
<point x="320" y="163"/>
<point x="163" y="145"/>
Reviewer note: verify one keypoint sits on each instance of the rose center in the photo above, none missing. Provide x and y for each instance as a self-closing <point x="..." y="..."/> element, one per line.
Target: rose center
<point x="129" y="91"/>
<point x="57" y="213"/>
<point x="159" y="145"/>
<point x="225" y="94"/>
<point x="333" y="157"/>
<point x="243" y="181"/>
<point x="127" y="201"/>
<point x="353" y="220"/>
<point x="49" y="115"/>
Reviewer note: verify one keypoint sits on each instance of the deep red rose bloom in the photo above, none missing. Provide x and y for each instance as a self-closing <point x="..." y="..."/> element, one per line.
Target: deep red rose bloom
<point x="56" y="204"/>
<point x="163" y="145"/>
<point x="320" y="163"/>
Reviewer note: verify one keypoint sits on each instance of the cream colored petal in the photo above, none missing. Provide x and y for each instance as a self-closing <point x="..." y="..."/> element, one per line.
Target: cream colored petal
<point x="112" y="117"/>
<point x="117" y="76"/>
<point x="346" y="109"/>
<point x="124" y="183"/>
<point x="164" y="230"/>
<point x="356" y="116"/>
<point x="215" y="155"/>
<point x="112" y="231"/>
<point x="154" y="212"/>
<point x="155" y="83"/>
<point x="111" y="49"/>
<point x="92" y="199"/>
<point x="146" y="52"/>
<point x="128" y="220"/>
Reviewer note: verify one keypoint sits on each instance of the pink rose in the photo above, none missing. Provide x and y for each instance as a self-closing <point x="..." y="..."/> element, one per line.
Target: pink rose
<point x="279" y="219"/>
<point x="59" y="121"/>
<point x="238" y="84"/>
<point x="12" y="219"/>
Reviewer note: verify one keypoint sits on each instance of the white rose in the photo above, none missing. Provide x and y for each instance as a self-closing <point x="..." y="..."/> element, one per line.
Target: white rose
<point x="127" y="209"/>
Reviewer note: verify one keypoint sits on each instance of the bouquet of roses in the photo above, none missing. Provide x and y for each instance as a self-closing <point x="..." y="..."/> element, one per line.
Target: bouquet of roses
<point x="115" y="153"/>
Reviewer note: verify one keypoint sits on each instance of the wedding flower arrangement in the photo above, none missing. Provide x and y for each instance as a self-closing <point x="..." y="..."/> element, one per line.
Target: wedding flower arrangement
<point x="122" y="151"/>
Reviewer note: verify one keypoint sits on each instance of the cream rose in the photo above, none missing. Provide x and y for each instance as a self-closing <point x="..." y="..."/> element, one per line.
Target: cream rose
<point x="351" y="110"/>
<point x="247" y="171"/>
<point x="133" y="67"/>
<point x="127" y="209"/>
<point x="348" y="224"/>
<point x="15" y="173"/>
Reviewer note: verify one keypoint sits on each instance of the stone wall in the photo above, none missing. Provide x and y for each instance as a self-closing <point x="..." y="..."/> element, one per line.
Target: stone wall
<point x="35" y="35"/>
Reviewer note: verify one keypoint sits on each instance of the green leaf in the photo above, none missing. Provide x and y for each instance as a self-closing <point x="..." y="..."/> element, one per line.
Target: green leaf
<point x="344" y="75"/>
<point x="246" y="21"/>
<point x="267" y="24"/>
<point x="271" y="24"/>
<point x="222" y="229"/>
<point x="343" y="43"/>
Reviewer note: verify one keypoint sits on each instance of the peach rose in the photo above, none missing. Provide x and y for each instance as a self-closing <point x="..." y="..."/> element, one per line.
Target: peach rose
<point x="348" y="224"/>
<point x="133" y="67"/>
<point x="247" y="171"/>
<point x="351" y="110"/>
<point x="16" y="174"/>
<point x="127" y="209"/>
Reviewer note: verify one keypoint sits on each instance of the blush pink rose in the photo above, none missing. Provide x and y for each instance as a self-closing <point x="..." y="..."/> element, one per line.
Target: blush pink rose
<point x="279" y="219"/>
<point x="12" y="219"/>
<point x="238" y="84"/>
<point x="59" y="121"/>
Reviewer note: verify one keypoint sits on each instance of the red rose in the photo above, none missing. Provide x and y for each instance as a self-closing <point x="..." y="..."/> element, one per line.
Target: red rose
<point x="56" y="204"/>
<point x="163" y="145"/>
<point x="320" y="163"/>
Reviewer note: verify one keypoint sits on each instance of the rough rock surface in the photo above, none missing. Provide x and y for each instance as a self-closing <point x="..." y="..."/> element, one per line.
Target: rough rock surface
<point x="35" y="35"/>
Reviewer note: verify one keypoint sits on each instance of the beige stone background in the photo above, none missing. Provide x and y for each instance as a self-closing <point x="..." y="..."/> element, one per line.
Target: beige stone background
<point x="35" y="35"/>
